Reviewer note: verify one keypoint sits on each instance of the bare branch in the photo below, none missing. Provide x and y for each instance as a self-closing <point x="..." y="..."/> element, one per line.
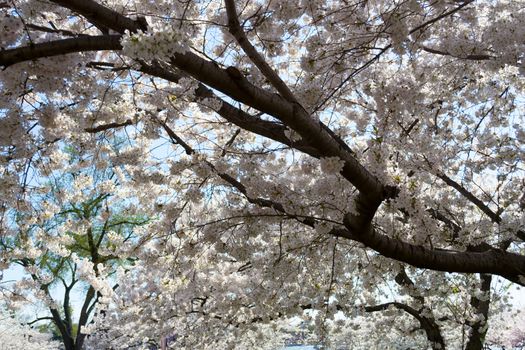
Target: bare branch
<point x="474" y="57"/>
<point x="52" y="30"/>
<point x="491" y="260"/>
<point x="101" y="16"/>
<point x="473" y="199"/>
<point x="59" y="47"/>
<point x="238" y="33"/>
<point x="109" y="126"/>
<point x="428" y="324"/>
<point x="440" y="17"/>
<point x="40" y="319"/>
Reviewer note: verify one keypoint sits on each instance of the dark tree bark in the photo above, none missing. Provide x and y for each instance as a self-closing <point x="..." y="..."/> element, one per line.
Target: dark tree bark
<point x="481" y="307"/>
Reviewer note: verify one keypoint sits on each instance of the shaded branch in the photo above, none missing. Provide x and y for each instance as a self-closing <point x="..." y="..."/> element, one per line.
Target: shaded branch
<point x="248" y="122"/>
<point x="468" y="195"/>
<point x="101" y="16"/>
<point x="84" y="316"/>
<point x="491" y="260"/>
<point x="59" y="47"/>
<point x="404" y="280"/>
<point x="40" y="319"/>
<point x="474" y="57"/>
<point x="428" y="324"/>
<point x="109" y="126"/>
<point x="53" y="30"/>
<point x="440" y="17"/>
<point x="427" y="321"/>
<point x="494" y="217"/>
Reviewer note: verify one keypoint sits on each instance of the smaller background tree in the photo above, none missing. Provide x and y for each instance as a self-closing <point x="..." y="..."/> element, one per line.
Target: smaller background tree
<point x="70" y="240"/>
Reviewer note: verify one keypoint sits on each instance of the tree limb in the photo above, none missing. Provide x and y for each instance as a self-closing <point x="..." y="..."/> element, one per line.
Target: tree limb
<point x="491" y="260"/>
<point x="238" y="33"/>
<point x="59" y="47"/>
<point x="100" y="15"/>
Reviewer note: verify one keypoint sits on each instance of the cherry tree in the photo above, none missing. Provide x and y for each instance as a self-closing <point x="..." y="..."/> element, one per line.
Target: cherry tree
<point x="16" y="335"/>
<point x="300" y="156"/>
<point x="70" y="234"/>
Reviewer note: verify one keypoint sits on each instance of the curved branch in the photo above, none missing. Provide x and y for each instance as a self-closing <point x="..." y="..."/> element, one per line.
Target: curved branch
<point x="429" y="325"/>
<point x="101" y="16"/>
<point x="383" y="307"/>
<point x="231" y="82"/>
<point x="108" y="126"/>
<point x="271" y="130"/>
<point x="40" y="319"/>
<point x="315" y="135"/>
<point x="59" y="47"/>
<point x="491" y="260"/>
<point x="404" y="280"/>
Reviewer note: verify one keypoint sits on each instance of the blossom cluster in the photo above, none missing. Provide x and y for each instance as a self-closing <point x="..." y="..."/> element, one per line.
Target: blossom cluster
<point x="159" y="43"/>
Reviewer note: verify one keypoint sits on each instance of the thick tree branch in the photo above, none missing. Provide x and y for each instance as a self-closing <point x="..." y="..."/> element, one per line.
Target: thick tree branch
<point x="101" y="16"/>
<point x="84" y="316"/>
<point x="271" y="130"/>
<point x="427" y="321"/>
<point x="232" y="83"/>
<point x="66" y="337"/>
<point x="383" y="307"/>
<point x="59" y="47"/>
<point x="493" y="261"/>
<point x="405" y="281"/>
<point x="316" y="138"/>
<point x="67" y="312"/>
<point x="436" y="214"/>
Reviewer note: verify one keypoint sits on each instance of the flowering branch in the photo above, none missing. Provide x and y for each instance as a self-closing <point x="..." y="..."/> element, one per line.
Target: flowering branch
<point x="316" y="137"/>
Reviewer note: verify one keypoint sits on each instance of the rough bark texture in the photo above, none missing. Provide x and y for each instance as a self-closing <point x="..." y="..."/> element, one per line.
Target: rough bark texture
<point x="481" y="306"/>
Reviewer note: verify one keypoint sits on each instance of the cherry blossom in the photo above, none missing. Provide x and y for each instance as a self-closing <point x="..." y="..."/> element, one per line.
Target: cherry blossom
<point x="337" y="162"/>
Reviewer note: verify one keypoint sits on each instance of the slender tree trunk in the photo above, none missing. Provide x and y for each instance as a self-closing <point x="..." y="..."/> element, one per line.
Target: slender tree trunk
<point x="479" y="328"/>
